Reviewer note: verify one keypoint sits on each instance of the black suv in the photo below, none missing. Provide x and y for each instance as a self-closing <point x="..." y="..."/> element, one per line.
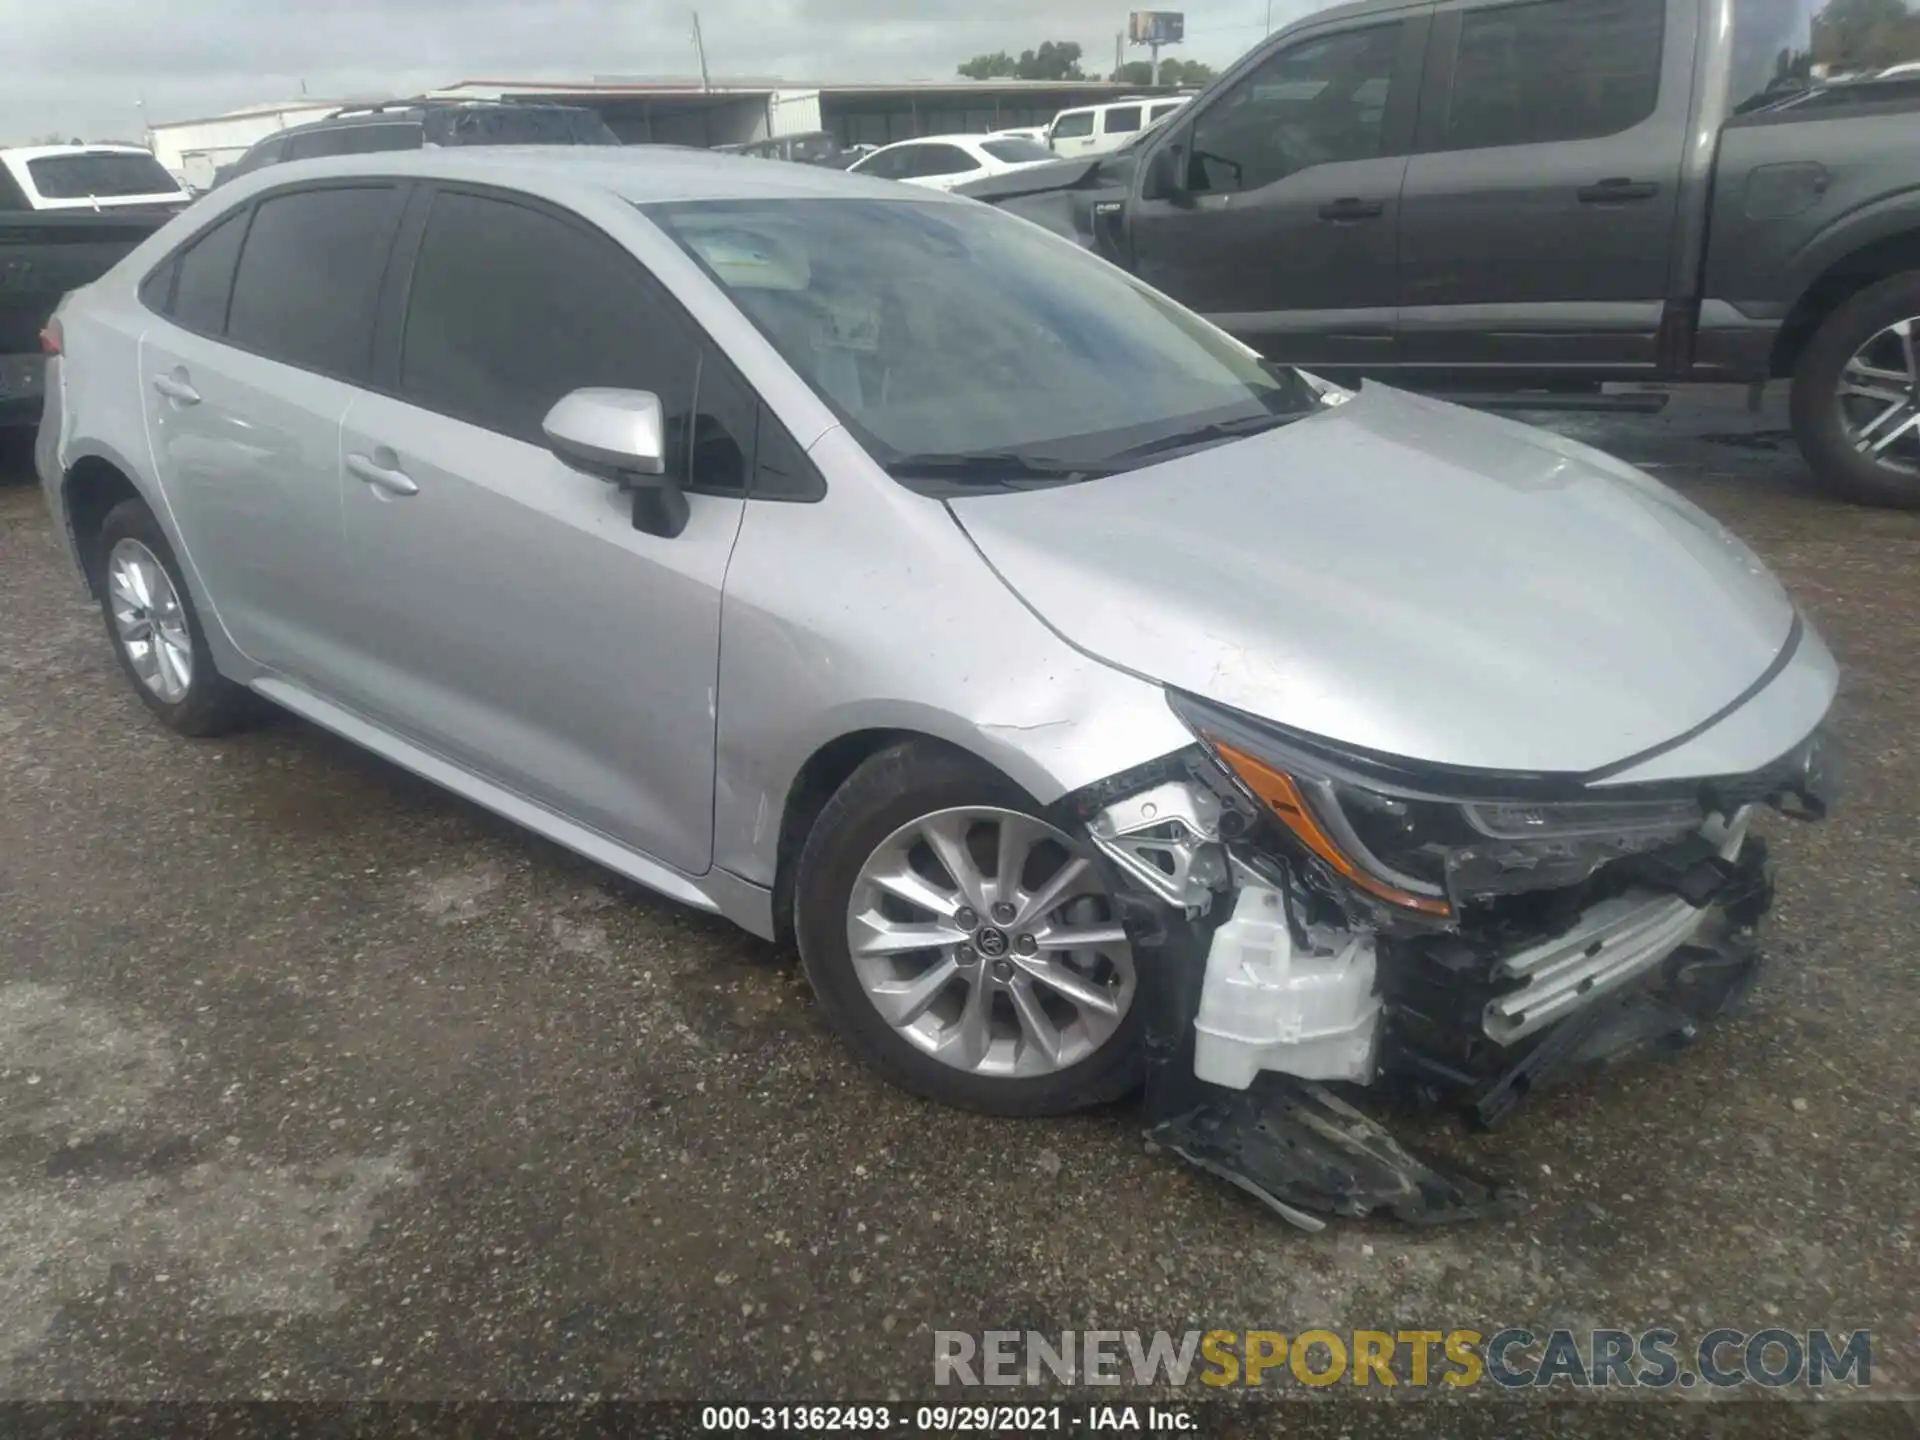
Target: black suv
<point x="412" y="124"/>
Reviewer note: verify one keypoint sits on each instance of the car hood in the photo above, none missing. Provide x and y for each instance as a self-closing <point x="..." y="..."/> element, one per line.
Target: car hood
<point x="1409" y="577"/>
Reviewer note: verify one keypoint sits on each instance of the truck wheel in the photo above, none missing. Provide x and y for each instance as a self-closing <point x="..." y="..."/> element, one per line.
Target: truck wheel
<point x="963" y="946"/>
<point x="1856" y="396"/>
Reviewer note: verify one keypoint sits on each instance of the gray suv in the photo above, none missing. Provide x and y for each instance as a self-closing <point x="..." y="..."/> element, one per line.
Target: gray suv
<point x="415" y="124"/>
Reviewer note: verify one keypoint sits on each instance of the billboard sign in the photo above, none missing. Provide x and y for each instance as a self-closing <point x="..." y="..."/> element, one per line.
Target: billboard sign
<point x="1156" y="27"/>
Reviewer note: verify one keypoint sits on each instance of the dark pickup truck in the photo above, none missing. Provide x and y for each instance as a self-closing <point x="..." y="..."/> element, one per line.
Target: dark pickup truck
<point x="1487" y="197"/>
<point x="43" y="255"/>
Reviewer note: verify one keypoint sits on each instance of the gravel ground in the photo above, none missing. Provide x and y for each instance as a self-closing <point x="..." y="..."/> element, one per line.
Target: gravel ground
<point x="317" y="1082"/>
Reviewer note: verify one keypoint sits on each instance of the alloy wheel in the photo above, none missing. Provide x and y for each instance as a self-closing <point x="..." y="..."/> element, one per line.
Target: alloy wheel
<point x="149" y="620"/>
<point x="984" y="937"/>
<point x="1879" y="397"/>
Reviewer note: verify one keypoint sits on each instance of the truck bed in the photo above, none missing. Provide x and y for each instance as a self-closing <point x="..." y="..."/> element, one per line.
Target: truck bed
<point x="42" y="257"/>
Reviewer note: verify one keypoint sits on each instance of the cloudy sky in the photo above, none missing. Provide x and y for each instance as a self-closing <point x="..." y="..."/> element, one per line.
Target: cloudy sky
<point x="88" y="67"/>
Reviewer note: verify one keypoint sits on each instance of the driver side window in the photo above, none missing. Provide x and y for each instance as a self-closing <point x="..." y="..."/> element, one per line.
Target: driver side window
<point x="1320" y="102"/>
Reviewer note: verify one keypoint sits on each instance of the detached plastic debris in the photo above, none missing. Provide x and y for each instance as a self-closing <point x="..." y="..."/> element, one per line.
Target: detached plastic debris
<point x="1306" y="1153"/>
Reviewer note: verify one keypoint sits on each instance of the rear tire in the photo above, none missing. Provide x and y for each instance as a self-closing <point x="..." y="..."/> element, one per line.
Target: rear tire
<point x="156" y="631"/>
<point x="1052" y="1050"/>
<point x="1857" y="345"/>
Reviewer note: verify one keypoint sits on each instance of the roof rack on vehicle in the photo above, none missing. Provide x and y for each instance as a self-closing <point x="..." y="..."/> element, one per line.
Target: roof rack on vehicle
<point x="414" y="102"/>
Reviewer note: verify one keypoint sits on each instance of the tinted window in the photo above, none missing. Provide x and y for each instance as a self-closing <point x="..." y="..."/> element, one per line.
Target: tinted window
<point x="309" y="277"/>
<point x="781" y="469"/>
<point x="1320" y="102"/>
<point x="1123" y="120"/>
<point x="1079" y="122"/>
<point x="82" y="177"/>
<point x="519" y="125"/>
<point x="12" y="197"/>
<point x="511" y="308"/>
<point x="726" y="414"/>
<point x="1160" y="112"/>
<point x="886" y="164"/>
<point x="206" y="277"/>
<point x="267" y="152"/>
<point x="1563" y="70"/>
<point x="1017" y="151"/>
<point x="943" y="160"/>
<point x="352" y="140"/>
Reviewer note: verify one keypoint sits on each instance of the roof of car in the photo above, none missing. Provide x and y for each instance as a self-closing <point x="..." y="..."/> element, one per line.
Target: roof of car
<point x="41" y="152"/>
<point x="953" y="139"/>
<point x="639" y="174"/>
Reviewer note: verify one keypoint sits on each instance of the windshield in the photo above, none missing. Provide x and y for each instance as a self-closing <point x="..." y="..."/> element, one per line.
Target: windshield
<point x="100" y="175"/>
<point x="522" y="125"/>
<point x="1784" y="47"/>
<point x="1016" y="151"/>
<point x="944" y="333"/>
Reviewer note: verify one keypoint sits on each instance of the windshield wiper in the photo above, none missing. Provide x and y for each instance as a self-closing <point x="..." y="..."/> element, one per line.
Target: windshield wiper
<point x="1006" y="467"/>
<point x="1211" y="433"/>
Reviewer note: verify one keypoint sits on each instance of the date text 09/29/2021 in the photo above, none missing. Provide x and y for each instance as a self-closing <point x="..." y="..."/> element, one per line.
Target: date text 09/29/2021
<point x="947" y="1419"/>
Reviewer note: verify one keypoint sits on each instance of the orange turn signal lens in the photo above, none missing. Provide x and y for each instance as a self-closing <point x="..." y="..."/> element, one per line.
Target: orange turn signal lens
<point x="1281" y="794"/>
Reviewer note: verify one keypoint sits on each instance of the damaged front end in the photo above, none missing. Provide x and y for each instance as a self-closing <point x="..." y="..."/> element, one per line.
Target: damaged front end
<point x="1307" y="921"/>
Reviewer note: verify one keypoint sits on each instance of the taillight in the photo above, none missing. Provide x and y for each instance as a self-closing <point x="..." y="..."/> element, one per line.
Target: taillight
<point x="50" y="338"/>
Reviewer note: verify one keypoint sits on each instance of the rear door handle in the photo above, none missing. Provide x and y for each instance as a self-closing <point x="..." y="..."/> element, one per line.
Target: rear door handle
<point x="1617" y="190"/>
<point x="1352" y="208"/>
<point x="176" y="389"/>
<point x="382" y="477"/>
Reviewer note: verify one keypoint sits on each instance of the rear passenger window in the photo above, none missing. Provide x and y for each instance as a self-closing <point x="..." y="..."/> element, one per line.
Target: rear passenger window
<point x="1123" y="120"/>
<point x="309" y="278"/>
<point x="944" y="160"/>
<point x="353" y="140"/>
<point x="511" y="308"/>
<point x="206" y="277"/>
<point x="1561" y="70"/>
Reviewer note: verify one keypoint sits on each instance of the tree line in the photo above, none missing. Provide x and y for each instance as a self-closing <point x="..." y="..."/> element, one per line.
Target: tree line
<point x="1060" y="60"/>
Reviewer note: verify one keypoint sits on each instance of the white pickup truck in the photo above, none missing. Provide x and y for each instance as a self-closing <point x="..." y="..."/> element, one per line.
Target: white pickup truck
<point x="86" y="177"/>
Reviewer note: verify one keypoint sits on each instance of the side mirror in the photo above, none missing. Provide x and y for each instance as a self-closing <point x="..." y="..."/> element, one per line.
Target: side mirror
<point x="621" y="437"/>
<point x="1163" y="180"/>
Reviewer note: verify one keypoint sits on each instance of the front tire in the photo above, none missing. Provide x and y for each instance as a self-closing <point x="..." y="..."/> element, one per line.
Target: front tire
<point x="1856" y="397"/>
<point x="962" y="945"/>
<point x="156" y="632"/>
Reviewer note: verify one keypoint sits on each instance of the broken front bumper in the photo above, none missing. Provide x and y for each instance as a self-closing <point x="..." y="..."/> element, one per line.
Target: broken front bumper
<point x="1256" y="1005"/>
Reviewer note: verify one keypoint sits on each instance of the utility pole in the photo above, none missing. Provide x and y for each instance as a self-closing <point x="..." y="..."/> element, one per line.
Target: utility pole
<point x="1269" y="17"/>
<point x="700" y="49"/>
<point x="1153" y="50"/>
<point x="1119" y="40"/>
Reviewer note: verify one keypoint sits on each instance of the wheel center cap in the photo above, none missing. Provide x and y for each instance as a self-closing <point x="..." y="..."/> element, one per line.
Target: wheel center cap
<point x="990" y="942"/>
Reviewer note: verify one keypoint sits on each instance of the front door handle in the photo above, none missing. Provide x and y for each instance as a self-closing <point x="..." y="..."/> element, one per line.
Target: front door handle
<point x="382" y="477"/>
<point x="176" y="388"/>
<point x="1617" y="191"/>
<point x="1352" y="208"/>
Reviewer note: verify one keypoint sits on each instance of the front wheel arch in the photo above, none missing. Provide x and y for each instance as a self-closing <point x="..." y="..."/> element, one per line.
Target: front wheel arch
<point x="814" y="785"/>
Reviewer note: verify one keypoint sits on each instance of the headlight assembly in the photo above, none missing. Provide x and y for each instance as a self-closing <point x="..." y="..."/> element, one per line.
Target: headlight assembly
<point x="1412" y="843"/>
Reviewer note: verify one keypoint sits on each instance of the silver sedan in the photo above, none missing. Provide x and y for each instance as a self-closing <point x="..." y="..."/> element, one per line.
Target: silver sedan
<point x="1091" y="701"/>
